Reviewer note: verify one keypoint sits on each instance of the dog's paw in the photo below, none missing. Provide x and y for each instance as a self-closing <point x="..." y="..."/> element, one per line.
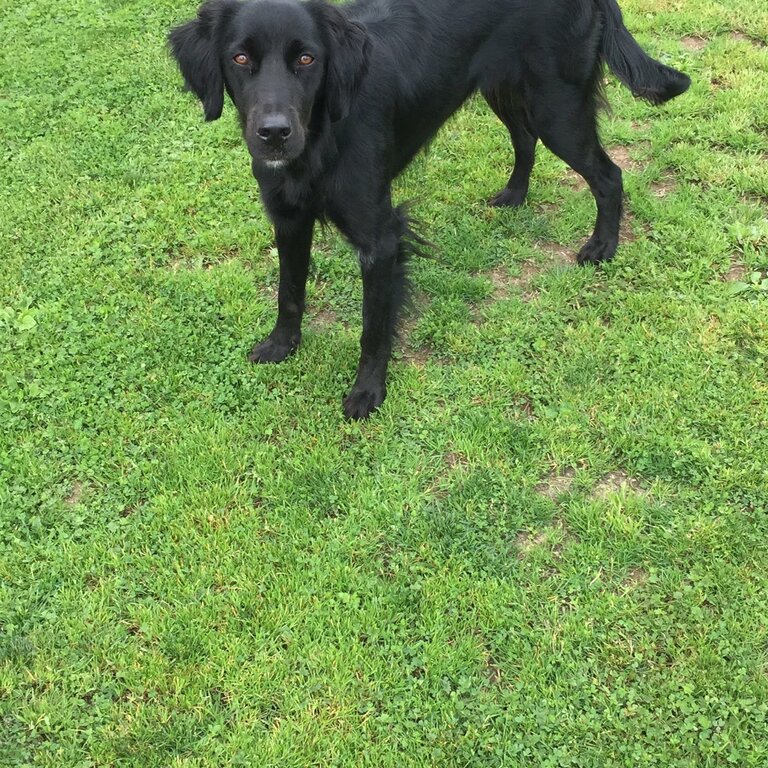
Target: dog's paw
<point x="596" y="251"/>
<point x="272" y="351"/>
<point x="361" y="403"/>
<point x="508" y="198"/>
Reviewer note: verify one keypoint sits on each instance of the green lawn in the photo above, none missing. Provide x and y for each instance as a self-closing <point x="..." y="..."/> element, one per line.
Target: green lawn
<point x="549" y="546"/>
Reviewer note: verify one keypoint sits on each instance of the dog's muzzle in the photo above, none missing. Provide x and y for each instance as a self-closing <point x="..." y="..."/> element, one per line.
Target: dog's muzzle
<point x="274" y="138"/>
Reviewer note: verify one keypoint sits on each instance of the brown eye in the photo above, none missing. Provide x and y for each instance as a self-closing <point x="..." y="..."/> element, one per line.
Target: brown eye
<point x="240" y="59"/>
<point x="305" y="59"/>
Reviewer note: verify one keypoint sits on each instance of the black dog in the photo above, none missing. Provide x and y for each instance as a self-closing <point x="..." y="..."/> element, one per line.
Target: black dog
<point x="335" y="101"/>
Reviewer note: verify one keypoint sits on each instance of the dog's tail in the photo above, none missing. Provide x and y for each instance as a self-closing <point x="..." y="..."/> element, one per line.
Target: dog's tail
<point x="647" y="78"/>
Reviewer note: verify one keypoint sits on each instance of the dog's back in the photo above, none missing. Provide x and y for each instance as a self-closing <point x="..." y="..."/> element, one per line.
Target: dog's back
<point x="427" y="57"/>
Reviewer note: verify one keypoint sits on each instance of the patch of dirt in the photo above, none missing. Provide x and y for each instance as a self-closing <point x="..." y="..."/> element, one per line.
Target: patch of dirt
<point x="626" y="230"/>
<point x="555" y="485"/>
<point x="755" y="199"/>
<point x="524" y="407"/>
<point x="131" y="508"/>
<point x="743" y="37"/>
<point x="573" y="180"/>
<point x="709" y="333"/>
<point x="324" y="318"/>
<point x="492" y="670"/>
<point x="620" y="155"/>
<point x="455" y="459"/>
<point x="737" y="273"/>
<point x="548" y="209"/>
<point x="556" y="255"/>
<point x="418" y="356"/>
<point x="492" y="664"/>
<point x="76" y="493"/>
<point x="132" y="628"/>
<point x="636" y="577"/>
<point x="663" y="187"/>
<point x="411" y="353"/>
<point x="527" y="541"/>
<point x="694" y="43"/>
<point x="716" y="83"/>
<point x="613" y="482"/>
<point x="501" y="282"/>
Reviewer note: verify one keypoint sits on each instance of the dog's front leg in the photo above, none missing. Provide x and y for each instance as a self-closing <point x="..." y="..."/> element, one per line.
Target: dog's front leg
<point x="294" y="243"/>
<point x="383" y="278"/>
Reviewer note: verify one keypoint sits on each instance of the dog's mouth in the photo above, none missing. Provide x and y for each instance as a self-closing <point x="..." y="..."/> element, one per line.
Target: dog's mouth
<point x="272" y="160"/>
<point x="275" y="141"/>
<point x="275" y="158"/>
<point x="275" y="165"/>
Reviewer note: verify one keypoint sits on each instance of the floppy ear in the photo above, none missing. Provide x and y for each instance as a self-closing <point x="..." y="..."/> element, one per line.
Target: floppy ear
<point x="348" y="45"/>
<point x="192" y="45"/>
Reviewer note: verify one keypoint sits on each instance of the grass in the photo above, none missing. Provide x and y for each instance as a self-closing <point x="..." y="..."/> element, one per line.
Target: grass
<point x="547" y="549"/>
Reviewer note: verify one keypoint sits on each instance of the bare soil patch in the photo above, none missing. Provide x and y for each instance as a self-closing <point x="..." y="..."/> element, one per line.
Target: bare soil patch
<point x="736" y="273"/>
<point x="694" y="43"/>
<point x="743" y="37"/>
<point x="76" y="494"/>
<point x="556" y="483"/>
<point x="614" y="482"/>
<point x="622" y="157"/>
<point x="665" y="186"/>
<point x="635" y="578"/>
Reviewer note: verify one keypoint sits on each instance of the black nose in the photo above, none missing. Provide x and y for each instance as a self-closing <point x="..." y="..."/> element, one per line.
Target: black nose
<point x="274" y="130"/>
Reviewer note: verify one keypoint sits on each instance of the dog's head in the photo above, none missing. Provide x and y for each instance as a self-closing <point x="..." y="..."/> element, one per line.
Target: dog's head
<point x="281" y="61"/>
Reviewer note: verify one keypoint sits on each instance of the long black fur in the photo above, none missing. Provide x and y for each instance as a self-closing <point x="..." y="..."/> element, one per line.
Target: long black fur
<point x="334" y="102"/>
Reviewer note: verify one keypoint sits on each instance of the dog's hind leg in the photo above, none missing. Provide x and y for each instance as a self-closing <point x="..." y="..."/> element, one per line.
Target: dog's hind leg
<point x="507" y="103"/>
<point x="564" y="115"/>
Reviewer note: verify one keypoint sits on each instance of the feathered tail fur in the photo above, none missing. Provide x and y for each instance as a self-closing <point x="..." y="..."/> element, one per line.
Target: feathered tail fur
<point x="647" y="78"/>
